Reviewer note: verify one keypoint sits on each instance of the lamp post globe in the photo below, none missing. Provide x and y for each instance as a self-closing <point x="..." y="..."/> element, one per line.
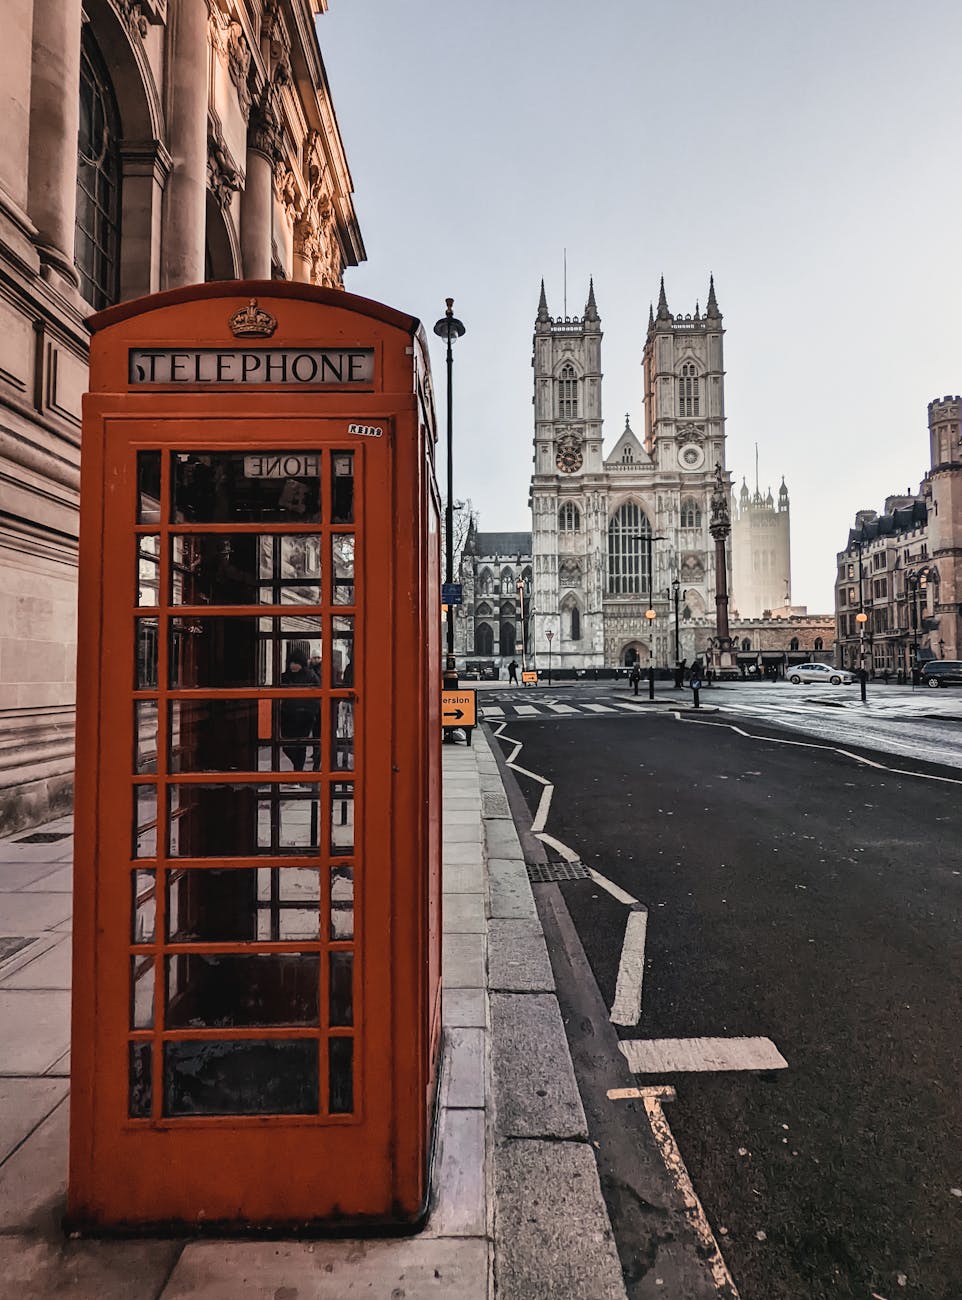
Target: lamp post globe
<point x="449" y="328"/>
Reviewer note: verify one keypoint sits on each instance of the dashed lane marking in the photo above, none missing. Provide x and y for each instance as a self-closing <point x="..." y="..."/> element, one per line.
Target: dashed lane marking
<point x="673" y="1055"/>
<point x="626" y="1008"/>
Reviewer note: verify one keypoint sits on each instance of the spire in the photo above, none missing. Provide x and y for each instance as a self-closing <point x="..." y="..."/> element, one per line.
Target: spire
<point x="543" y="307"/>
<point x="697" y="312"/>
<point x="591" y="310"/>
<point x="711" y="311"/>
<point x="651" y="317"/>
<point x="663" y="312"/>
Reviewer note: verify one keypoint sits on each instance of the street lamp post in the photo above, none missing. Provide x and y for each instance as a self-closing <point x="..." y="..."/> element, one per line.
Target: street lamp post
<point x="650" y="616"/>
<point x="861" y="618"/>
<point x="449" y="328"/>
<point x="916" y="582"/>
<point x="520" y="586"/>
<point x="676" y="590"/>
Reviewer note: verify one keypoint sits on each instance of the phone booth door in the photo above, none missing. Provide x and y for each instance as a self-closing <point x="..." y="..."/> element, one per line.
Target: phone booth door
<point x="243" y="1063"/>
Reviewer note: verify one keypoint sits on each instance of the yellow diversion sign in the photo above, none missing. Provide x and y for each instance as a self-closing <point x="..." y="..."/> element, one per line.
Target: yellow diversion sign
<point x="458" y="709"/>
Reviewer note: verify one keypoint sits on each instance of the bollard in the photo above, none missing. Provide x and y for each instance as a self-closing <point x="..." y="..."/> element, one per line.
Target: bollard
<point x="651" y="683"/>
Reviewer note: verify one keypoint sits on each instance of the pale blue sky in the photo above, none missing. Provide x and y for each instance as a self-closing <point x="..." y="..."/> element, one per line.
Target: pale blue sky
<point x="807" y="154"/>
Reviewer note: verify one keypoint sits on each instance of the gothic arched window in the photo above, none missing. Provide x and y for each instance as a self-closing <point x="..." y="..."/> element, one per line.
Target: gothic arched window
<point x="575" y="623"/>
<point x="690" y="514"/>
<point x="97" y="229"/>
<point x="569" y="518"/>
<point x="626" y="456"/>
<point x="567" y="393"/>
<point x="746" y="644"/>
<point x="793" y="644"/>
<point x="627" y="551"/>
<point x="688" y="390"/>
<point x="485" y="583"/>
<point x="483" y="639"/>
<point x="507" y="639"/>
<point x="819" y="644"/>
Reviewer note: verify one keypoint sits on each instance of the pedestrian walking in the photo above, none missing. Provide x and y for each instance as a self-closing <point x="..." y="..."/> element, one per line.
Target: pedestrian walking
<point x="680" y="673"/>
<point x="300" y="718"/>
<point x="635" y="676"/>
<point x="512" y="673"/>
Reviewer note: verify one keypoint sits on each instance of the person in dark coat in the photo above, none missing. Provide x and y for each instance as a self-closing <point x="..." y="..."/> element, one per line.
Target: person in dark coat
<point x="300" y="718"/>
<point x="512" y="673"/>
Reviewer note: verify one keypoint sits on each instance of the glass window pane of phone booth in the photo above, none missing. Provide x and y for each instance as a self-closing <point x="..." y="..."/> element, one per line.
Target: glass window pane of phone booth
<point x="240" y="740"/>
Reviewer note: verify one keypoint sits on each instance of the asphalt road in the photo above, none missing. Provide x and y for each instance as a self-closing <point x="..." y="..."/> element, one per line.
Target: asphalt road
<point x="798" y="895"/>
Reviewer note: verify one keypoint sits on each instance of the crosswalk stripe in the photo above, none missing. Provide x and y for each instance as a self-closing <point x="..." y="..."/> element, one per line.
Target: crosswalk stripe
<point x="562" y="708"/>
<point x="526" y="710"/>
<point x="598" y="708"/>
<point x="492" y="713"/>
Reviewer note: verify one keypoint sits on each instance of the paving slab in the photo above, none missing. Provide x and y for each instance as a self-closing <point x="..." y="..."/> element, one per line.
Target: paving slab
<point x="464" y="913"/>
<point x="418" y="1268"/>
<point x="534" y="1083"/>
<point x="36" y="1029"/>
<point x="49" y="970"/>
<point x="462" y="878"/>
<point x="465" y="855"/>
<point x="462" y="816"/>
<point x="24" y="1103"/>
<point x="517" y="957"/>
<point x="460" y="1192"/>
<point x="461" y="832"/>
<point x="33" y="1180"/>
<point x="501" y="838"/>
<point x="494" y="803"/>
<point x="464" y="1075"/>
<point x="464" y="1008"/>
<point x="84" y="1270"/>
<point x="32" y="913"/>
<point x="553" y="1237"/>
<point x="462" y="961"/>
<point x="509" y="891"/>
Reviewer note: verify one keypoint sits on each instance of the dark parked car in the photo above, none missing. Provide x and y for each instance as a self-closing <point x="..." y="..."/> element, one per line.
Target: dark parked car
<point x="942" y="672"/>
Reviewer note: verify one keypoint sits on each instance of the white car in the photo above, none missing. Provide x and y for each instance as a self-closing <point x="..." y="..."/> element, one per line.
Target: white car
<point x="819" y="673"/>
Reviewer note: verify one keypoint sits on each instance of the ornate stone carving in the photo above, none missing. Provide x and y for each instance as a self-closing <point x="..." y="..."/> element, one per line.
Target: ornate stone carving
<point x="285" y="184"/>
<point x="133" y="15"/>
<point x="569" y="571"/>
<point x="264" y="130"/>
<point x="228" y="39"/>
<point x="720" y="525"/>
<point x="223" y="177"/>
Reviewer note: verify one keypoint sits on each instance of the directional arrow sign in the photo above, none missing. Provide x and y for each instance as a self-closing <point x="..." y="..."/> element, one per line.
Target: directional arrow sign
<point x="458" y="709"/>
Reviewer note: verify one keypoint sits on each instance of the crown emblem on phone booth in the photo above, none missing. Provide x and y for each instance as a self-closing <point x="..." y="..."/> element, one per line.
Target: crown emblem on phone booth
<point x="252" y="322"/>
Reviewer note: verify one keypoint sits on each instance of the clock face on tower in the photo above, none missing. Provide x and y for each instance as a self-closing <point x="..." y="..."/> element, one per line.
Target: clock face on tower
<point x="692" y="457"/>
<point x="569" y="457"/>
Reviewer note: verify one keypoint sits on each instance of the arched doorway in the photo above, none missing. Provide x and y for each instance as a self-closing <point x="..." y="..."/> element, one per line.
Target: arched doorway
<point x="634" y="653"/>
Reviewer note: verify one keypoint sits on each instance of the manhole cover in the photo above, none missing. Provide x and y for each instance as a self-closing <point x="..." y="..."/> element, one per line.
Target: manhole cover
<point x="543" y="873"/>
<point x="11" y="945"/>
<point x="44" y="837"/>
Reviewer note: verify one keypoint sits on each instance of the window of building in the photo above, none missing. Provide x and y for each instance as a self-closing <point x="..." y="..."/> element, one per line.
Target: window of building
<point x="842" y="596"/>
<point x="690" y="514"/>
<point x="628" y="552"/>
<point x="568" y="393"/>
<point x="483" y="639"/>
<point x="688" y="390"/>
<point x="97" y="229"/>
<point x="627" y="456"/>
<point x="575" y="623"/>
<point x="485" y="583"/>
<point x="746" y="644"/>
<point x="569" y="518"/>
<point x="507" y="639"/>
<point x="880" y="588"/>
<point x="793" y="644"/>
<point x="878" y="560"/>
<point x="819" y="645"/>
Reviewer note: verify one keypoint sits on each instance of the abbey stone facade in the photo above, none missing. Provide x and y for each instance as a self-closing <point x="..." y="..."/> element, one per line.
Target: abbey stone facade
<point x="599" y="522"/>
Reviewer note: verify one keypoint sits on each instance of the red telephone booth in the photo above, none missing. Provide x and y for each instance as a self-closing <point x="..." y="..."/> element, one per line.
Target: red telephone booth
<point x="256" y="1009"/>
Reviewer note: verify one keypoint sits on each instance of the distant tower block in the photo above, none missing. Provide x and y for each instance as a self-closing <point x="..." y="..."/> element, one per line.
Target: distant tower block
<point x="761" y="551"/>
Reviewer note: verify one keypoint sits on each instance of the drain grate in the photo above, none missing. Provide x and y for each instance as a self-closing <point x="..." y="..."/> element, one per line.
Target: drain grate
<point x="44" y="837"/>
<point x="10" y="945"/>
<point x="543" y="873"/>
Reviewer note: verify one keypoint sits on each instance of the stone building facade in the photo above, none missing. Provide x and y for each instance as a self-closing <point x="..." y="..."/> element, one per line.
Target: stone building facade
<point x="761" y="551"/>
<point x="493" y="623"/>
<point x="146" y="144"/>
<point x="610" y="534"/>
<point x="902" y="568"/>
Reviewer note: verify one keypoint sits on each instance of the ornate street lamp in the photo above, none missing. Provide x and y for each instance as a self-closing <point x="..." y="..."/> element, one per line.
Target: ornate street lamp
<point x="450" y="328"/>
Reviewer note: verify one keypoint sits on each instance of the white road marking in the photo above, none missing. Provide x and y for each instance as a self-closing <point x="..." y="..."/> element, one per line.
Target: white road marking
<point x="562" y="708"/>
<point x="614" y="890"/>
<point x="626" y="1008"/>
<point x="516" y="767"/>
<point x="630" y="704"/>
<point x="652" y="1099"/>
<point x="671" y="1055"/>
<point x="569" y="855"/>
<point x="526" y="710"/>
<point x="834" y="749"/>
<point x="544" y="804"/>
<point x="492" y="712"/>
<point x="598" y="708"/>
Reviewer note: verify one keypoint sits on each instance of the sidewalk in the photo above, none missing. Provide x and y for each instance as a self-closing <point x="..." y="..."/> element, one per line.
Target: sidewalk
<point x="517" y="1210"/>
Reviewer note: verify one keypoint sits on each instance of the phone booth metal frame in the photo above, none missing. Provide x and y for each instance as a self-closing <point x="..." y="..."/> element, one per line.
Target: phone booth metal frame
<point x="257" y="945"/>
